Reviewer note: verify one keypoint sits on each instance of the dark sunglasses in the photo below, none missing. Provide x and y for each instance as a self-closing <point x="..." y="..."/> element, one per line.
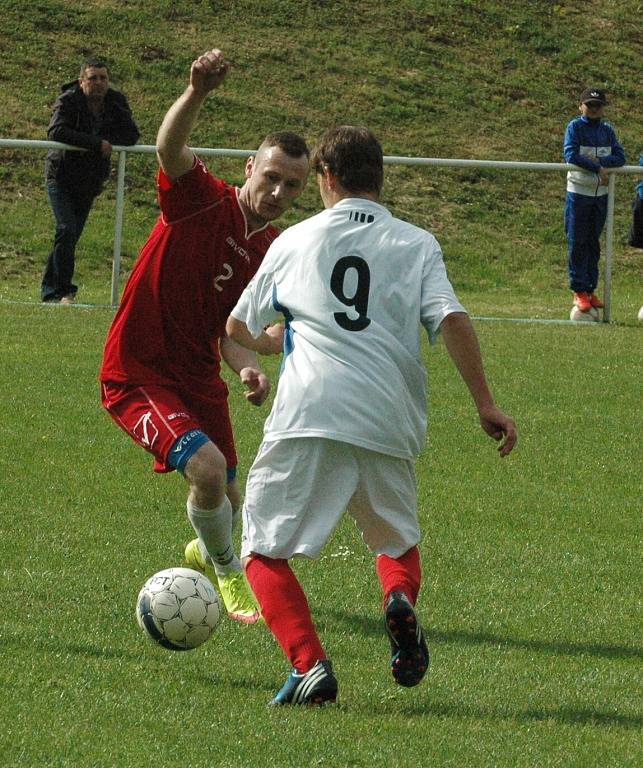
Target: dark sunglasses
<point x="594" y="104"/>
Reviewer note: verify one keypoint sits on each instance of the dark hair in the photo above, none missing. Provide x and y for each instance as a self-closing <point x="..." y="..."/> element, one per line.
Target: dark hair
<point x="96" y="63"/>
<point x="354" y="155"/>
<point x="291" y="143"/>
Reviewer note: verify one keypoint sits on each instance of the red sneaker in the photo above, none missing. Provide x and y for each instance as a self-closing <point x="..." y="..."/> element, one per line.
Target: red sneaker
<point x="582" y="301"/>
<point x="595" y="301"/>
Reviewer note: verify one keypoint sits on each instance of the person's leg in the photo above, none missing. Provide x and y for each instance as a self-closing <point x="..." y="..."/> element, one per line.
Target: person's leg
<point x="577" y="229"/>
<point x="70" y="214"/>
<point x="196" y="549"/>
<point x="285" y="610"/>
<point x="596" y="224"/>
<point x="401" y="574"/>
<point x="385" y="510"/>
<point x="233" y="492"/>
<point x="296" y="494"/>
<point x="209" y="509"/>
<point x="57" y="268"/>
<point x="82" y="207"/>
<point x="635" y="236"/>
<point x="158" y="420"/>
<point x="213" y="506"/>
<point x="210" y="512"/>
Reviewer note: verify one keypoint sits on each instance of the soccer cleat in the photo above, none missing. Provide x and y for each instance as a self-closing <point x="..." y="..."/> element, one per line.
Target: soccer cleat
<point x="595" y="301"/>
<point x="317" y="686"/>
<point x="235" y="592"/>
<point x="409" y="652"/>
<point x="582" y="301"/>
<point x="194" y="559"/>
<point x="237" y="597"/>
<point x="69" y="299"/>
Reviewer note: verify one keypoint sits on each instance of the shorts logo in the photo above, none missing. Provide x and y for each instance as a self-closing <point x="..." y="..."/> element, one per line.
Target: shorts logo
<point x="145" y="431"/>
<point x="185" y="440"/>
<point x="226" y="275"/>
<point x="179" y="415"/>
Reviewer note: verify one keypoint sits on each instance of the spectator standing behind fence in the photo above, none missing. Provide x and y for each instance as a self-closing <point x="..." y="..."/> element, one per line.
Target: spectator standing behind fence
<point x="91" y="115"/>
<point x="635" y="238"/>
<point x="591" y="144"/>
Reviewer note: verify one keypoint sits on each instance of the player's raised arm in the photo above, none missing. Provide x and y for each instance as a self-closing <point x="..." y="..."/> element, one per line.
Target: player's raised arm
<point x="462" y="344"/>
<point x="206" y="74"/>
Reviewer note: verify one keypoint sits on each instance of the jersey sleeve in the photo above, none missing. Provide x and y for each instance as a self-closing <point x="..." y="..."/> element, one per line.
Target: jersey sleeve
<point x="257" y="304"/>
<point x="191" y="193"/>
<point x="438" y="297"/>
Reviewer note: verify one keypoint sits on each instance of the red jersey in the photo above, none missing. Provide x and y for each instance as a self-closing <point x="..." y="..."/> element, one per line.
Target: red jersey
<point x="188" y="277"/>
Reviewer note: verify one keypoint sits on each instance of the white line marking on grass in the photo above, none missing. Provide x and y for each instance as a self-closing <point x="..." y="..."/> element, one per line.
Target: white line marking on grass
<point x="535" y="320"/>
<point x="55" y="304"/>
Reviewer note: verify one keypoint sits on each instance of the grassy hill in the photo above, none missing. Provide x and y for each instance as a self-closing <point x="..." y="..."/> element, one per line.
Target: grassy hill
<point x="493" y="80"/>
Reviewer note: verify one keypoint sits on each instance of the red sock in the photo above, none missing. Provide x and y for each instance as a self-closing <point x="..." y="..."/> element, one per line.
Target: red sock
<point x="402" y="574"/>
<point x="285" y="610"/>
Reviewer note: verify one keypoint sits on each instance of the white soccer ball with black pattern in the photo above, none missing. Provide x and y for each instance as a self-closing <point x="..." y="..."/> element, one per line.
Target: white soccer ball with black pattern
<point x="178" y="608"/>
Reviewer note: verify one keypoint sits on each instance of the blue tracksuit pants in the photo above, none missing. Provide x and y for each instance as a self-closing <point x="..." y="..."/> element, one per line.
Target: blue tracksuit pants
<point x="584" y="221"/>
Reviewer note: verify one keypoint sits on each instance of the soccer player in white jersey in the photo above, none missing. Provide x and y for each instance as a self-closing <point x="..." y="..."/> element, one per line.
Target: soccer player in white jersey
<point x="354" y="285"/>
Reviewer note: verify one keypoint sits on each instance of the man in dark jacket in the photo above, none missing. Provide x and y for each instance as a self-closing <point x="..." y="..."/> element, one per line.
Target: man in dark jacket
<point x="91" y="115"/>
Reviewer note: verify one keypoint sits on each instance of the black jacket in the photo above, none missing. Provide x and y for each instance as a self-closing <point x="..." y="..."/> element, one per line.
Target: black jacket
<point x="71" y="123"/>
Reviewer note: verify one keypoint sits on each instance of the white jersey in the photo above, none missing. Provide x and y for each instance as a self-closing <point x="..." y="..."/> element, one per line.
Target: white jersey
<point x="353" y="283"/>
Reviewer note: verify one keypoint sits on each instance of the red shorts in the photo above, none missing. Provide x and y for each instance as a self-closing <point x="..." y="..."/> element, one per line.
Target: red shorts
<point x="155" y="417"/>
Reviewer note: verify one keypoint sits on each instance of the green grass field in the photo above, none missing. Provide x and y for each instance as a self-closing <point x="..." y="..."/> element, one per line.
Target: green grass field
<point x="530" y="598"/>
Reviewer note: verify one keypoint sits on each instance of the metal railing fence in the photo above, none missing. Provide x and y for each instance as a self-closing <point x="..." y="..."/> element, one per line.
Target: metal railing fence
<point x="122" y="153"/>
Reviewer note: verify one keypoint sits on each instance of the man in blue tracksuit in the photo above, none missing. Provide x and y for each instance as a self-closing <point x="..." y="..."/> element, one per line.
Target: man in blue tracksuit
<point x="591" y="144"/>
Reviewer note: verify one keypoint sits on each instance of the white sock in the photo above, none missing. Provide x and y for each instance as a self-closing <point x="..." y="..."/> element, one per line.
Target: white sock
<point x="214" y="529"/>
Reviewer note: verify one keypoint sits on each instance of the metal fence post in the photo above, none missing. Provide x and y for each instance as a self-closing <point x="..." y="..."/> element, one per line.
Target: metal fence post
<point x="118" y="232"/>
<point x="609" y="248"/>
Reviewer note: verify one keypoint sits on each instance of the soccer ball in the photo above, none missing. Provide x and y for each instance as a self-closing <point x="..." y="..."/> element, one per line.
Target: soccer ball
<point x="641" y="315"/>
<point x="591" y="316"/>
<point x="178" y="608"/>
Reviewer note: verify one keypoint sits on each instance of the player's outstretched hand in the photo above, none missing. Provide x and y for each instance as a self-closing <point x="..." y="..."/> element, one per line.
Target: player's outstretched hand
<point x="498" y="425"/>
<point x="257" y="385"/>
<point x="208" y="71"/>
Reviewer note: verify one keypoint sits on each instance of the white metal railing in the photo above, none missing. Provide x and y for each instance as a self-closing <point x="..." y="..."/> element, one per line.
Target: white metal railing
<point x="389" y="160"/>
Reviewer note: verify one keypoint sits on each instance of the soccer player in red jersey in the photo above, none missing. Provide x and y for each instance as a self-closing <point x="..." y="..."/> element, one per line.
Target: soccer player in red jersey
<point x="160" y="376"/>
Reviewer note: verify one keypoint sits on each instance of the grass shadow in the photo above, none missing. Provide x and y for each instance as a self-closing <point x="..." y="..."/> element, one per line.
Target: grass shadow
<point x="374" y="627"/>
<point x="563" y="715"/>
<point x="58" y="645"/>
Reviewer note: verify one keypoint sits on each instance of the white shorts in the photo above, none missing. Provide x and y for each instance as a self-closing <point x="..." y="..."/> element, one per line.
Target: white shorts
<point x="299" y="488"/>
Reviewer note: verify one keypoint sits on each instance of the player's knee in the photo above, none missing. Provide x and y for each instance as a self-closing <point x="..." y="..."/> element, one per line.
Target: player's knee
<point x="206" y="471"/>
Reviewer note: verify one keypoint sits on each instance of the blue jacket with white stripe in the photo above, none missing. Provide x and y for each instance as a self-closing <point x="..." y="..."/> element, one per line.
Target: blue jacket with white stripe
<point x="591" y="145"/>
